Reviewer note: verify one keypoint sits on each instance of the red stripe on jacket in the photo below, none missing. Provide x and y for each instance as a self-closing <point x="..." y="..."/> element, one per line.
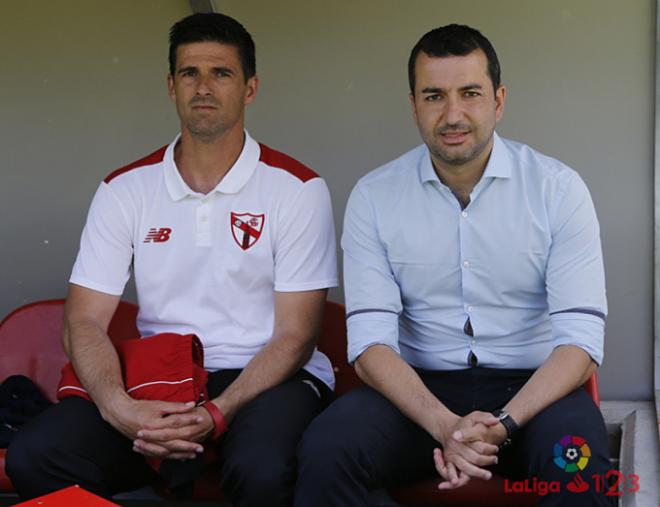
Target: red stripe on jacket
<point x="153" y="158"/>
<point x="283" y="161"/>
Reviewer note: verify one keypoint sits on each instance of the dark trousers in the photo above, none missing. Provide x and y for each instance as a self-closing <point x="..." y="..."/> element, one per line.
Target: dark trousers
<point x="71" y="444"/>
<point x="362" y="442"/>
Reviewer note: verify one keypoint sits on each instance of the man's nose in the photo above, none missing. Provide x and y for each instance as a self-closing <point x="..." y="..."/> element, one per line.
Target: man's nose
<point x="204" y="84"/>
<point x="454" y="110"/>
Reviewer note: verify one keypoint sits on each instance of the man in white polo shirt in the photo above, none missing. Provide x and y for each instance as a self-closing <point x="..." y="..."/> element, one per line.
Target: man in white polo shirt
<point x="229" y="240"/>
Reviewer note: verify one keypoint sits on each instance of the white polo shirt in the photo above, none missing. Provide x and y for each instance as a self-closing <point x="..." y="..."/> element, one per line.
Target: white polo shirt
<point x="210" y="264"/>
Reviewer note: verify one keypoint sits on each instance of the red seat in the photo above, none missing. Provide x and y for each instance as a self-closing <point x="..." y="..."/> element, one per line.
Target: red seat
<point x="30" y="344"/>
<point x="332" y="343"/>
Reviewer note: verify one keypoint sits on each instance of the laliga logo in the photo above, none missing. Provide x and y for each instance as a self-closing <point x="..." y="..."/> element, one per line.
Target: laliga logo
<point x="572" y="454"/>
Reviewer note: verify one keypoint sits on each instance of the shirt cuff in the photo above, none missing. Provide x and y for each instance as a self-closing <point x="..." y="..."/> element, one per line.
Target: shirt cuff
<point x="371" y="327"/>
<point x="99" y="287"/>
<point x="302" y="286"/>
<point x="582" y="330"/>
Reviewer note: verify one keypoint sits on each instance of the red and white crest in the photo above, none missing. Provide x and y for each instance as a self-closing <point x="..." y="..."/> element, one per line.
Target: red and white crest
<point x="246" y="228"/>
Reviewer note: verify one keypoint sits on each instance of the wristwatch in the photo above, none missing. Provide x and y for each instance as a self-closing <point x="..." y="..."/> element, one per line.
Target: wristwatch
<point x="510" y="425"/>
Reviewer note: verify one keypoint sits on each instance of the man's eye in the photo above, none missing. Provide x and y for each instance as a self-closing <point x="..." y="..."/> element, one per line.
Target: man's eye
<point x="188" y="73"/>
<point x="433" y="98"/>
<point x="472" y="94"/>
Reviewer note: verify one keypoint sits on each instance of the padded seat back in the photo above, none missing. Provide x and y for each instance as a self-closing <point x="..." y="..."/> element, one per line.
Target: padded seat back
<point x="30" y="341"/>
<point x="332" y="343"/>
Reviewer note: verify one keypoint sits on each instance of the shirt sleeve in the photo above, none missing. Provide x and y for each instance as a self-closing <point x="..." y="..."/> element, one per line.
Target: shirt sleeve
<point x="306" y="250"/>
<point x="575" y="278"/>
<point x="106" y="248"/>
<point x="373" y="298"/>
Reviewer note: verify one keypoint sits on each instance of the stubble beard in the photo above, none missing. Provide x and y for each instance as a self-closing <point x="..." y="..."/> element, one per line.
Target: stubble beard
<point x="204" y="132"/>
<point x="460" y="158"/>
<point x="457" y="158"/>
<point x="207" y="128"/>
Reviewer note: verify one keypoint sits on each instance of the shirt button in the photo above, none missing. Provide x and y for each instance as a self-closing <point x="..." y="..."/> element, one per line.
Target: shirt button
<point x="464" y="214"/>
<point x="473" y="342"/>
<point x="466" y="264"/>
<point x="204" y="218"/>
<point x="470" y="308"/>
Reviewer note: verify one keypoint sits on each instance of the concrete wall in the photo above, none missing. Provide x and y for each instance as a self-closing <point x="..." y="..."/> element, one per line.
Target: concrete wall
<point x="83" y="92"/>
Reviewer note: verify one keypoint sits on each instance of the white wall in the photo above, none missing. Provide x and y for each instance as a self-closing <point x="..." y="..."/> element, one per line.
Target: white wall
<point x="82" y="92"/>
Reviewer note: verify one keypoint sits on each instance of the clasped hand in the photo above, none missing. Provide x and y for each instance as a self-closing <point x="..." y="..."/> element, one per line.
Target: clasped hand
<point x="164" y="429"/>
<point x="469" y="444"/>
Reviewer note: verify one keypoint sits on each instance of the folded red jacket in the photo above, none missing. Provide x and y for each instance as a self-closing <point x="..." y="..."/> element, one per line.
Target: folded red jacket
<point x="165" y="367"/>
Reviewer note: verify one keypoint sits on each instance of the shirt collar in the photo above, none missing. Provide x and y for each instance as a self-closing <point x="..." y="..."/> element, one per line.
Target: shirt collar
<point x="235" y="179"/>
<point x="498" y="166"/>
<point x="499" y="163"/>
<point x="426" y="169"/>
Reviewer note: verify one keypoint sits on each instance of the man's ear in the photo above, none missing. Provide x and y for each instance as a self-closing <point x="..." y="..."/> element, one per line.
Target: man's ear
<point x="500" y="99"/>
<point x="170" y="87"/>
<point x="411" y="97"/>
<point x="252" y="86"/>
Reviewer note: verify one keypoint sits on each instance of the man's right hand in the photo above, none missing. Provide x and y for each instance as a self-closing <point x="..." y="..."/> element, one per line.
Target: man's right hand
<point x="379" y="364"/>
<point x="87" y="316"/>
<point x="460" y="459"/>
<point x="129" y="416"/>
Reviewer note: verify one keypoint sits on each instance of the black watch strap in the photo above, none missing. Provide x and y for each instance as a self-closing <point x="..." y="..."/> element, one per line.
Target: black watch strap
<point x="510" y="425"/>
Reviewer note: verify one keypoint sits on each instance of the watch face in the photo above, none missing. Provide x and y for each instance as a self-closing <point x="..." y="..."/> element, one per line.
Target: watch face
<point x="500" y="414"/>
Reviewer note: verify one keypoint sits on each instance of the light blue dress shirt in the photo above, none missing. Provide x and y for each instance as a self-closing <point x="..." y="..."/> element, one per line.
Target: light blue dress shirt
<point x="522" y="263"/>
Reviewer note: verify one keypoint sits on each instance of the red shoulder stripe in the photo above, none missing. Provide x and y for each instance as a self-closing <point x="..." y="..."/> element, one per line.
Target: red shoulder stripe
<point x="154" y="158"/>
<point x="283" y="161"/>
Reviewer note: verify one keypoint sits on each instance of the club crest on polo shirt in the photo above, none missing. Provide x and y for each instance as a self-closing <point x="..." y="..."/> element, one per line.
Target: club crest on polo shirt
<point x="246" y="228"/>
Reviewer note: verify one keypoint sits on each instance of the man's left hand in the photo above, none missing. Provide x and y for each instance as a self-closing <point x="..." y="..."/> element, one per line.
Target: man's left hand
<point x="173" y="437"/>
<point x="464" y="450"/>
<point x="493" y="434"/>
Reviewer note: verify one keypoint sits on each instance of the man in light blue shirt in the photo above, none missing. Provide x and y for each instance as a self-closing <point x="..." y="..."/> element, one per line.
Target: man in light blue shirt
<point x="475" y="305"/>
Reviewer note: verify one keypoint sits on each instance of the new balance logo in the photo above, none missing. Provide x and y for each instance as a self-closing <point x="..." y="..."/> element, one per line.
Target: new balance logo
<point x="158" y="235"/>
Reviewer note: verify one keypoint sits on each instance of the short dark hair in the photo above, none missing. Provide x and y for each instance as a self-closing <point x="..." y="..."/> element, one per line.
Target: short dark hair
<point x="454" y="40"/>
<point x="214" y="27"/>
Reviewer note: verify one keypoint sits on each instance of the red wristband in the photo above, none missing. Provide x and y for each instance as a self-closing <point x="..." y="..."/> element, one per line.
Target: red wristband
<point x="219" y="423"/>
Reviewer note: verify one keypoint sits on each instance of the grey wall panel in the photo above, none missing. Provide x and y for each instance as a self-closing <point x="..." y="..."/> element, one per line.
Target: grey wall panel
<point x="83" y="91"/>
<point x="580" y="81"/>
